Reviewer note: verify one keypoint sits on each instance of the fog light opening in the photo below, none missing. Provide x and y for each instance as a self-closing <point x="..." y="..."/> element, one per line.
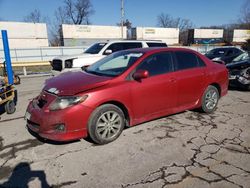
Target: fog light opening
<point x="60" y="127"/>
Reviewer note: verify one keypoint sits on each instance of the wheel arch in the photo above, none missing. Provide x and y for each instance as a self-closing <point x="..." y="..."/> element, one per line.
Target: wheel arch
<point x="218" y="87"/>
<point x="123" y="108"/>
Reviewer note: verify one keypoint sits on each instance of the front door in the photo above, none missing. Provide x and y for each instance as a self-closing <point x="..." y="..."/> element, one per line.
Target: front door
<point x="156" y="94"/>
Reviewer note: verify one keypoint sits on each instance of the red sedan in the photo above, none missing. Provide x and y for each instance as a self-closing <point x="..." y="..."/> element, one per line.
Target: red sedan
<point x="125" y="89"/>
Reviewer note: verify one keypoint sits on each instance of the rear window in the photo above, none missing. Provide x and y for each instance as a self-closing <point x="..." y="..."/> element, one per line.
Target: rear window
<point x="156" y="44"/>
<point x="186" y="60"/>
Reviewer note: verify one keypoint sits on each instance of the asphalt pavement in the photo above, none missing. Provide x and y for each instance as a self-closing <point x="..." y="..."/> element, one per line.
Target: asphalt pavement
<point x="184" y="150"/>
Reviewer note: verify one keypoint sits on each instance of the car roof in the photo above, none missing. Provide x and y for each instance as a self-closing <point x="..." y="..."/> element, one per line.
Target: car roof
<point x="226" y="48"/>
<point x="159" y="49"/>
<point x="124" y="41"/>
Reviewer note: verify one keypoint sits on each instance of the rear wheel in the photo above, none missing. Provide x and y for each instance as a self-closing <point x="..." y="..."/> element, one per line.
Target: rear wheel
<point x="106" y="124"/>
<point x="210" y="99"/>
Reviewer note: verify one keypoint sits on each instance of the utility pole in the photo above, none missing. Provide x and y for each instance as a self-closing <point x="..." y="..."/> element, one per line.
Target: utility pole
<point x="122" y="15"/>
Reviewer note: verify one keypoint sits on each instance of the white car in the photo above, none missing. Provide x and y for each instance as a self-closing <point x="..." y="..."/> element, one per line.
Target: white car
<point x="96" y="52"/>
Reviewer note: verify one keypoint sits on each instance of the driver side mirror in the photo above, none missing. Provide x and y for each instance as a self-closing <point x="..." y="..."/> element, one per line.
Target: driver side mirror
<point x="84" y="67"/>
<point x="140" y="74"/>
<point x="108" y="52"/>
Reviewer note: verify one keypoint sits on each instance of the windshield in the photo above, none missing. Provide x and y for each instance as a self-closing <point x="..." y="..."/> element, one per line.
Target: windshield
<point x="95" y="48"/>
<point x="241" y="57"/>
<point x="114" y="64"/>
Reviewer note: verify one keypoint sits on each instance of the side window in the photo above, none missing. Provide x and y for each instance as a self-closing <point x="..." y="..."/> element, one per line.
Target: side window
<point x="157" y="64"/>
<point x="115" y="47"/>
<point x="186" y="60"/>
<point x="131" y="45"/>
<point x="156" y="44"/>
<point x="230" y="52"/>
<point x="219" y="52"/>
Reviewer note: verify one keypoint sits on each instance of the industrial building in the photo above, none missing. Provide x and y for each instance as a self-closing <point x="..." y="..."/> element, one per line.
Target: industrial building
<point x="236" y="36"/>
<point x="85" y="35"/>
<point x="25" y="35"/>
<point x="168" y="35"/>
<point x="205" y="36"/>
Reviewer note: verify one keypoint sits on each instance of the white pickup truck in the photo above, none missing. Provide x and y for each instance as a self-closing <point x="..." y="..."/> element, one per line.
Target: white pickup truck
<point x="96" y="52"/>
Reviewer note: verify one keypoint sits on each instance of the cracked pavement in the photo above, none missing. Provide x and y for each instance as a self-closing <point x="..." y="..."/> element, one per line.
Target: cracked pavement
<point x="188" y="149"/>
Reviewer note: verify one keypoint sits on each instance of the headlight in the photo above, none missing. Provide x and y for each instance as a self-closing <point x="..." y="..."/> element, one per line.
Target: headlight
<point x="69" y="63"/>
<point x="65" y="102"/>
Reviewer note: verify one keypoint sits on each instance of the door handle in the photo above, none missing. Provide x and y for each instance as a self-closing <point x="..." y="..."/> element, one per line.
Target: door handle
<point x="173" y="80"/>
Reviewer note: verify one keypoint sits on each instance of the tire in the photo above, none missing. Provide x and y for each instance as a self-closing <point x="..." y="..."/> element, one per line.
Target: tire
<point x="10" y="107"/>
<point x="17" y="80"/>
<point x="106" y="124"/>
<point x="248" y="88"/>
<point x="210" y="99"/>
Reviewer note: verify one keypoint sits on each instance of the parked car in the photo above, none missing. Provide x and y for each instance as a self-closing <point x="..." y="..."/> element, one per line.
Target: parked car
<point x="96" y="52"/>
<point x="225" y="54"/>
<point x="239" y="71"/>
<point x="125" y="89"/>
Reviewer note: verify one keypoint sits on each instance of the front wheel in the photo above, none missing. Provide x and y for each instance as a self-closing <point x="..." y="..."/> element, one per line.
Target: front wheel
<point x="210" y="99"/>
<point x="106" y="124"/>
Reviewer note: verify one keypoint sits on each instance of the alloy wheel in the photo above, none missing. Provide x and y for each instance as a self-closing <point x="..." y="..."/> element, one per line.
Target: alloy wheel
<point x="109" y="124"/>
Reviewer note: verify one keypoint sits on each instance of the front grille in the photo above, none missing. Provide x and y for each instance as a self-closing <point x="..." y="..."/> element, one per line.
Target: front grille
<point x="56" y="65"/>
<point x="41" y="103"/>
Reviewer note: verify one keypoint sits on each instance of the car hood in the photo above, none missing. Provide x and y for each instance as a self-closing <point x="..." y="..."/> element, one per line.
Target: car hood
<point x="79" y="56"/>
<point x="71" y="83"/>
<point x="240" y="64"/>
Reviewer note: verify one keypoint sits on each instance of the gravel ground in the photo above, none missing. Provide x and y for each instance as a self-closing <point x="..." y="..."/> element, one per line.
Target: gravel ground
<point x="188" y="149"/>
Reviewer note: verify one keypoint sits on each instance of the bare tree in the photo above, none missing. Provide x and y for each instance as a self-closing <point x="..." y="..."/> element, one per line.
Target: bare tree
<point x="126" y="23"/>
<point x="72" y="12"/>
<point x="55" y="30"/>
<point x="78" y="11"/>
<point x="167" y="21"/>
<point x="34" y="16"/>
<point x="245" y="15"/>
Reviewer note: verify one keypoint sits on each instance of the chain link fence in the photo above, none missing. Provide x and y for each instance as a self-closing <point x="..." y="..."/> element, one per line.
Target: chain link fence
<point x="28" y="56"/>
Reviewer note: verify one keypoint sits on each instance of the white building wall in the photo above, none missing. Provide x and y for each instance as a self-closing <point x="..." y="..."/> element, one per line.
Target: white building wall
<point x="25" y="35"/>
<point x="241" y="35"/>
<point x="168" y="35"/>
<point x="208" y="33"/>
<point x="81" y="35"/>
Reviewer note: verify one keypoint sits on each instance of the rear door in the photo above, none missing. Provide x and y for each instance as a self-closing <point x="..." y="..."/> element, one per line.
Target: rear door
<point x="190" y="77"/>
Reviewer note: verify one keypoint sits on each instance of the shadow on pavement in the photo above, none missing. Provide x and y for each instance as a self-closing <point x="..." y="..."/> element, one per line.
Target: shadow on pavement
<point x="22" y="175"/>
